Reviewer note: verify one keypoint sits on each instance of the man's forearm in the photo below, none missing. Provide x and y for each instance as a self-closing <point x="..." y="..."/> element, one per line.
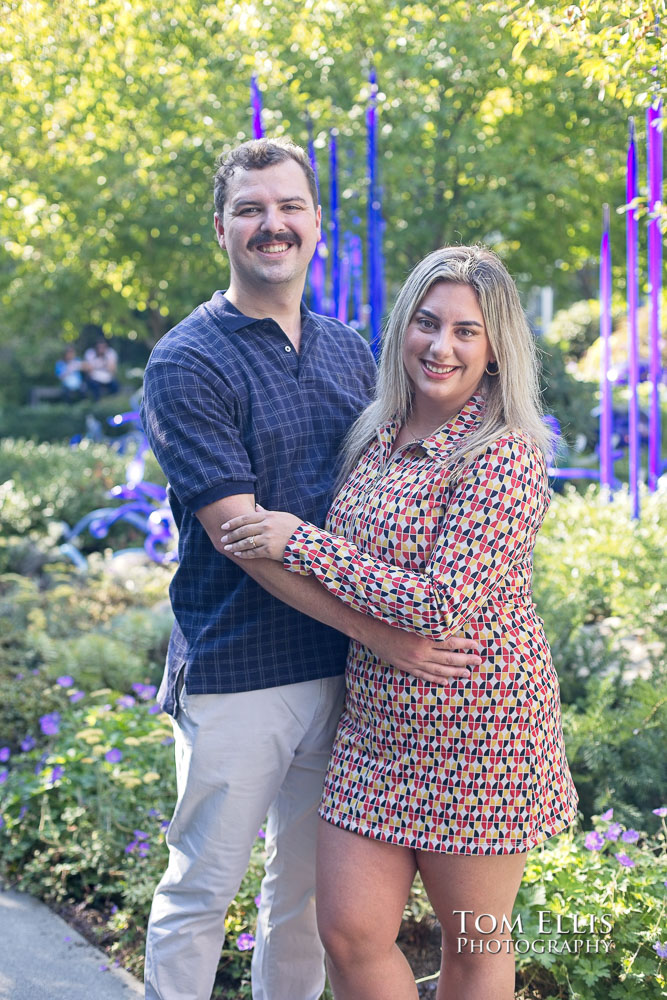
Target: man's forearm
<point x="306" y="594"/>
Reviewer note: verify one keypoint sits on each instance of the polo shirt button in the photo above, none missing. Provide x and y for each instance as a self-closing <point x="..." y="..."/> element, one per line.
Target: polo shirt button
<point x="288" y="348"/>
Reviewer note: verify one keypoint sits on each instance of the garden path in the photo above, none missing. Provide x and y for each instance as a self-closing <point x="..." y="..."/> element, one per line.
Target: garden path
<point x="43" y="958"/>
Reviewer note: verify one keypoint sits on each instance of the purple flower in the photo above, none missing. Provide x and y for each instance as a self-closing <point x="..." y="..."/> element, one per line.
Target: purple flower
<point x="167" y="741"/>
<point x="3" y="775"/>
<point x="144" y="691"/>
<point x="624" y="860"/>
<point x="614" y="831"/>
<point x="113" y="756"/>
<point x="141" y="835"/>
<point x="65" y="681"/>
<point x="662" y="811"/>
<point x="154" y="710"/>
<point x="50" y="723"/>
<point x="661" y="948"/>
<point x="594" y="841"/>
<point x="129" y="848"/>
<point x="56" y="774"/>
<point x="125" y="701"/>
<point x="5" y="754"/>
<point x="104" y="968"/>
<point x="164" y="825"/>
<point x="22" y="811"/>
<point x="607" y="815"/>
<point x="75" y="696"/>
<point x="630" y="836"/>
<point x="261" y="834"/>
<point x="258" y="899"/>
<point x="2" y="821"/>
<point x="27" y="744"/>
<point x="39" y="766"/>
<point x="245" y="942"/>
<point x="144" y="848"/>
<point x="153" y="813"/>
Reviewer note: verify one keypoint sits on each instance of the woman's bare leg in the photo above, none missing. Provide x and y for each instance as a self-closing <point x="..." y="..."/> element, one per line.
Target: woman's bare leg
<point x="362" y="889"/>
<point x="483" y="884"/>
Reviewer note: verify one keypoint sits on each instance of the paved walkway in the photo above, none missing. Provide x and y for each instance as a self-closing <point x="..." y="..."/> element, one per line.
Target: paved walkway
<point x="43" y="958"/>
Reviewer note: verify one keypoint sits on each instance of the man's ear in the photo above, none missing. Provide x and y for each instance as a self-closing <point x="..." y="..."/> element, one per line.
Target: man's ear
<point x="219" y="230"/>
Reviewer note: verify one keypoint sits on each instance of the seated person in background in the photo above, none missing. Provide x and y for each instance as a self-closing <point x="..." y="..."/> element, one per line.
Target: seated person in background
<point x="68" y="371"/>
<point x="100" y="363"/>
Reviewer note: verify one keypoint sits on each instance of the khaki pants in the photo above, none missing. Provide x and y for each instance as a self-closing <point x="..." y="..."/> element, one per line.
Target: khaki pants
<point x="239" y="758"/>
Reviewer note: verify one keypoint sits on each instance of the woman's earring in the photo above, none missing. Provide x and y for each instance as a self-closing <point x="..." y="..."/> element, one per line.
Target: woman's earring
<point x="493" y="373"/>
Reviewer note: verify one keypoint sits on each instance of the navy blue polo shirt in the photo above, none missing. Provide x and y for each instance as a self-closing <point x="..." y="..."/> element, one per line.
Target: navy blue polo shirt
<point x="230" y="407"/>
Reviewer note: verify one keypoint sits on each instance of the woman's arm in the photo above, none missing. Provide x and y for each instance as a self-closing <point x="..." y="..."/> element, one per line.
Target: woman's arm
<point x="489" y="524"/>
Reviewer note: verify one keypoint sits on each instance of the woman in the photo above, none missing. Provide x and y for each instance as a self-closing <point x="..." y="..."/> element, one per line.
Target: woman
<point x="433" y="529"/>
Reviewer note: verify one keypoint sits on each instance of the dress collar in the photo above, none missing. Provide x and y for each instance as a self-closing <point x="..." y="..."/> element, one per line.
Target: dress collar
<point x="443" y="438"/>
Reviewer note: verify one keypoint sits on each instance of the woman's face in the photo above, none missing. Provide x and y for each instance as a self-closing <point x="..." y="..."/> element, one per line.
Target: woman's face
<point x="445" y="351"/>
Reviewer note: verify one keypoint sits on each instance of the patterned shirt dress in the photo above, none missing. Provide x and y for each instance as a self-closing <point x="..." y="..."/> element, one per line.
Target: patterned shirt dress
<point x="477" y="766"/>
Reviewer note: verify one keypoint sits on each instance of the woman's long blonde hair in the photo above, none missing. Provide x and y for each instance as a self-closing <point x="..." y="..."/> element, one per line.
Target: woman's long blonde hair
<point x="512" y="397"/>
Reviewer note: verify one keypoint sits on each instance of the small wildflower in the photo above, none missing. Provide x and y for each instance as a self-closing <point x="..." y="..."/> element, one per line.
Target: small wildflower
<point x="39" y="766"/>
<point x="261" y="834"/>
<point x="141" y="835"/>
<point x="125" y="701"/>
<point x="661" y="948"/>
<point x="144" y="691"/>
<point x="167" y="741"/>
<point x="614" y="831"/>
<point x="662" y="811"/>
<point x="245" y="942"/>
<point x="606" y="816"/>
<point x="153" y="813"/>
<point x="154" y="710"/>
<point x="258" y="899"/>
<point x="113" y="756"/>
<point x="27" y="744"/>
<point x="624" y="860"/>
<point x="143" y="849"/>
<point x="65" y="681"/>
<point x="4" y="774"/>
<point x="594" y="841"/>
<point x="2" y="821"/>
<point x="50" y="723"/>
<point x="56" y="774"/>
<point x="129" y="848"/>
<point x="5" y="754"/>
<point x="630" y="836"/>
<point x="164" y="825"/>
<point x="114" y="909"/>
<point x="75" y="696"/>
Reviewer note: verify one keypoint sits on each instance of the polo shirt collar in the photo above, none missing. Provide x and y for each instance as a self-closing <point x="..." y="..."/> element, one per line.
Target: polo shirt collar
<point x="234" y="320"/>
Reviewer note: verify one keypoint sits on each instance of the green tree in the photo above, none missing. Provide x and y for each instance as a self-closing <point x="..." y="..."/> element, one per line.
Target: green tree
<point x="111" y="116"/>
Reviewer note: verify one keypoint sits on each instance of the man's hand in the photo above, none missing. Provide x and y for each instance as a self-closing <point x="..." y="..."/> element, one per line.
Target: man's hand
<point x="439" y="662"/>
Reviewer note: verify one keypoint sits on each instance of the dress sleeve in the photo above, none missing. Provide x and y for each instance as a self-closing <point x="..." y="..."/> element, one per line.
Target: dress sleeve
<point x="192" y="425"/>
<point x="489" y="525"/>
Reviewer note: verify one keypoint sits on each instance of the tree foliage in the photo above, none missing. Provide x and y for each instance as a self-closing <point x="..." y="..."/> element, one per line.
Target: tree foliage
<point x="112" y="114"/>
<point x="620" y="47"/>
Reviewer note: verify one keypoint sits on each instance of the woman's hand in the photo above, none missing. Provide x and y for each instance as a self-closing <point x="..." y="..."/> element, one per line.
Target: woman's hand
<point x="262" y="535"/>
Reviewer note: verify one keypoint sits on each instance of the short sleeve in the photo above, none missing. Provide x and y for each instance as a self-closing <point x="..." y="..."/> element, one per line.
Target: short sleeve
<point x="489" y="526"/>
<point x="193" y="422"/>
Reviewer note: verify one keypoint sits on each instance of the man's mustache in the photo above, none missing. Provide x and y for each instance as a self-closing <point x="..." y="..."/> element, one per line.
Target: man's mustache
<point x="261" y="239"/>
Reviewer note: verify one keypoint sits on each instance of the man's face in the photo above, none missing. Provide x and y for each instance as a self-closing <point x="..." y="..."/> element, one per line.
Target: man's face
<point x="269" y="226"/>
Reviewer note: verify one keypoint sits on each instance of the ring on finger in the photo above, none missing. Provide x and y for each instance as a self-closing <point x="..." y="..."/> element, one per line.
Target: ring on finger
<point x="252" y="539"/>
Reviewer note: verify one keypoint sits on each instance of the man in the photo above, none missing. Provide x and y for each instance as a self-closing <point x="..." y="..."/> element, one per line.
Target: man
<point x="100" y="364"/>
<point x="247" y="400"/>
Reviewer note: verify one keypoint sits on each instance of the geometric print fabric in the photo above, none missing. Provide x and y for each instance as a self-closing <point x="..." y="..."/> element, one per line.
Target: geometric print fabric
<point x="477" y="766"/>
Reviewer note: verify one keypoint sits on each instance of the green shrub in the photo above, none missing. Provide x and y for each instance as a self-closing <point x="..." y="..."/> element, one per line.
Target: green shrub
<point x="612" y="881"/>
<point x="83" y="818"/>
<point x="616" y="745"/>
<point x="44" y="485"/>
<point x="600" y="583"/>
<point x="60" y="422"/>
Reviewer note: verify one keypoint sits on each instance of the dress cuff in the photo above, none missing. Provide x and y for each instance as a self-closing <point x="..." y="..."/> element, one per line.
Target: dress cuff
<point x="300" y="549"/>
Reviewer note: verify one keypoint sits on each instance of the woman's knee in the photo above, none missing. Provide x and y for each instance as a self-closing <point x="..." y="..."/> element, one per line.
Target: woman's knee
<point x="349" y="935"/>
